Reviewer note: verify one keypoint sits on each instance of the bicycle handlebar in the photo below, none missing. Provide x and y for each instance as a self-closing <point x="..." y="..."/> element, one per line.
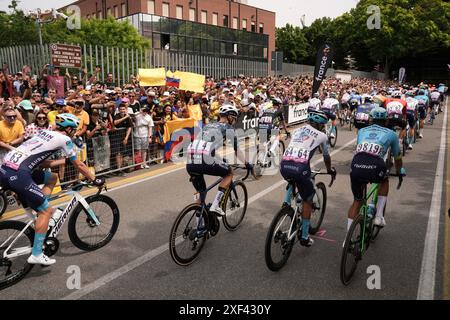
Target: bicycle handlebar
<point x="249" y="171"/>
<point x="333" y="175"/>
<point x="77" y="186"/>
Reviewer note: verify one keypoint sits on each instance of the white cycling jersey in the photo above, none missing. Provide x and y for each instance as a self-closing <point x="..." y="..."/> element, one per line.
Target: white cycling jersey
<point x="315" y="103"/>
<point x="30" y="154"/>
<point x="330" y="105"/>
<point x="435" y="96"/>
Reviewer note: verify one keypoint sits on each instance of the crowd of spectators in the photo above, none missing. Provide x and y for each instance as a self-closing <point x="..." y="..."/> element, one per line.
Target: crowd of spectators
<point x="133" y="116"/>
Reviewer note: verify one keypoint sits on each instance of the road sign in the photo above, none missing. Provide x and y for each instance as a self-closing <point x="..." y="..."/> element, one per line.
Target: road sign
<point x="67" y="56"/>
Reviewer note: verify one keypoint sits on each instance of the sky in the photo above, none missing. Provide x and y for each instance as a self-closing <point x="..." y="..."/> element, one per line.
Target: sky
<point x="288" y="11"/>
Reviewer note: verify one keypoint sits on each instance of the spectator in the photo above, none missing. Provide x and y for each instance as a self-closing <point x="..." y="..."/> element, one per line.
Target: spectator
<point x="60" y="108"/>
<point x="82" y="115"/>
<point x="54" y="81"/>
<point x="109" y="82"/>
<point x="96" y="128"/>
<point x="169" y="115"/>
<point x="143" y="134"/>
<point x="120" y="138"/>
<point x="40" y="123"/>
<point x="11" y="131"/>
<point x="134" y="103"/>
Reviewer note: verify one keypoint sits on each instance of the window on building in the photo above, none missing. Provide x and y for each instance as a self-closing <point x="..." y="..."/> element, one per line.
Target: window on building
<point x="253" y="29"/>
<point x="192" y="14"/>
<point x="225" y="20"/>
<point x="165" y="9"/>
<point x="108" y="11"/>
<point x="215" y="17"/>
<point x="204" y="16"/>
<point x="180" y="12"/>
<point x="261" y="28"/>
<point x="116" y="11"/>
<point x="100" y="15"/>
<point x="244" y="24"/>
<point x="124" y="10"/>
<point x="265" y="53"/>
<point x="151" y="6"/>
<point x="235" y="23"/>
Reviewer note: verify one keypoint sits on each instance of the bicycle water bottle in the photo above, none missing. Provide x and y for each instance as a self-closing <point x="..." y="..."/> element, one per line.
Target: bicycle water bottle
<point x="55" y="217"/>
<point x="370" y="210"/>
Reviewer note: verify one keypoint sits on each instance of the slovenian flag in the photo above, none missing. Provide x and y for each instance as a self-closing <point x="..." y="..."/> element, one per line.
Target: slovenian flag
<point x="172" y="82"/>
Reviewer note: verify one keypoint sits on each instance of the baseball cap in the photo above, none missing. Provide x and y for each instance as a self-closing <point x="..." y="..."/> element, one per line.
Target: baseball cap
<point x="60" y="102"/>
<point x="26" y="105"/>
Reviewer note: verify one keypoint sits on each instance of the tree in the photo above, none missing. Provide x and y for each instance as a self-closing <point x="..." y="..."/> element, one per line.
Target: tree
<point x="293" y="43"/>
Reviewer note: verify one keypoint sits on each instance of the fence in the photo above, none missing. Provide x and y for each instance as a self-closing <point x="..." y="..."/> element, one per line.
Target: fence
<point x="124" y="62"/>
<point x="290" y="69"/>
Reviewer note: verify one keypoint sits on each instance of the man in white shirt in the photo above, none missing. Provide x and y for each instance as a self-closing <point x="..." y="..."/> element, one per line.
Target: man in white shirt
<point x="143" y="133"/>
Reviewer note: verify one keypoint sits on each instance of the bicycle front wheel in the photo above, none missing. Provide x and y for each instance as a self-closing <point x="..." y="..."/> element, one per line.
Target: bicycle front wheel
<point x="352" y="252"/>
<point x="186" y="241"/>
<point x="278" y="247"/>
<point x="14" y="268"/>
<point x="319" y="207"/>
<point x="235" y="206"/>
<point x="84" y="233"/>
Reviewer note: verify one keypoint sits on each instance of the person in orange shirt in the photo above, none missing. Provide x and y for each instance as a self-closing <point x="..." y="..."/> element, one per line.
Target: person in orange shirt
<point x="82" y="115"/>
<point x="11" y="131"/>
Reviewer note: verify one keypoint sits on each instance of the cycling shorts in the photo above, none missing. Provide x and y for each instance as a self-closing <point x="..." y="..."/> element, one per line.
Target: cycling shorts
<point x="411" y="119"/>
<point x="301" y="174"/>
<point x="422" y="112"/>
<point x="197" y="172"/>
<point x="396" y="120"/>
<point x="25" y="184"/>
<point x="366" y="169"/>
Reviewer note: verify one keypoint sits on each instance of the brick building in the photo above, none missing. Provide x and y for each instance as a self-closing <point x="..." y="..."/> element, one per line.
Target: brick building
<point x="229" y="28"/>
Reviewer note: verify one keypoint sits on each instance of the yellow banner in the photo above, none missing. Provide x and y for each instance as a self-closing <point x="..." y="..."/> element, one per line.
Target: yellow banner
<point x="191" y="81"/>
<point x="152" y="77"/>
<point x="175" y="125"/>
<point x="195" y="112"/>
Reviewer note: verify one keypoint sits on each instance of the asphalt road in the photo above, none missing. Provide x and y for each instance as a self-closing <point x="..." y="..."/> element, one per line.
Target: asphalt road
<point x="137" y="263"/>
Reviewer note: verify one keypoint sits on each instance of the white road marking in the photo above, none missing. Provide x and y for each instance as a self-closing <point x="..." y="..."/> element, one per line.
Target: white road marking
<point x="156" y="252"/>
<point x="428" y="272"/>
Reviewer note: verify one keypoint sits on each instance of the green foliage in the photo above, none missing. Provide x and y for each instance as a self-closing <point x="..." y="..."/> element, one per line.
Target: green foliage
<point x="293" y="43"/>
<point x="408" y="28"/>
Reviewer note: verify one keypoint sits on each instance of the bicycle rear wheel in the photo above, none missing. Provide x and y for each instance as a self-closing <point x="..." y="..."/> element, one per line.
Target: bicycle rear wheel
<point x="83" y="231"/>
<point x="186" y="241"/>
<point x="278" y="247"/>
<point x="14" y="269"/>
<point x="235" y="206"/>
<point x="352" y="252"/>
<point x="319" y="207"/>
<point x="333" y="140"/>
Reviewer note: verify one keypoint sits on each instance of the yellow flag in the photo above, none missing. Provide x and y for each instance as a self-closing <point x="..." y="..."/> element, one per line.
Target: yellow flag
<point x="175" y="125"/>
<point x="152" y="77"/>
<point x="195" y="112"/>
<point x="191" y="81"/>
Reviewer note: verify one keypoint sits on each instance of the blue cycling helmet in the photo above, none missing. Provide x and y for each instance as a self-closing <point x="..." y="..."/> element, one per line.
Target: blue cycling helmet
<point x="317" y="116"/>
<point x="421" y="92"/>
<point x="66" y="120"/>
<point x="378" y="113"/>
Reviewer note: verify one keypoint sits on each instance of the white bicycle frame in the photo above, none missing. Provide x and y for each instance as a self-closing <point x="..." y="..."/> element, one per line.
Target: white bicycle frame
<point x="267" y="145"/>
<point x="77" y="198"/>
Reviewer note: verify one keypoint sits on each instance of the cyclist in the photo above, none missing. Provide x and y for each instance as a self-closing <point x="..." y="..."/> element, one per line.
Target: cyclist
<point x="344" y="104"/>
<point x="412" y="115"/>
<point x="314" y="102"/>
<point x="203" y="158"/>
<point x="422" y="108"/>
<point x="21" y="174"/>
<point x="363" y="113"/>
<point x="396" y="110"/>
<point x="270" y="123"/>
<point x="368" y="164"/>
<point x="296" y="165"/>
<point x="329" y="107"/>
<point x="435" y="97"/>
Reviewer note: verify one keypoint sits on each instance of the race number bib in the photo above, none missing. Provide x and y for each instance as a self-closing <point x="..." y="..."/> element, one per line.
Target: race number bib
<point x="297" y="154"/>
<point x="371" y="148"/>
<point x="14" y="159"/>
<point x="411" y="106"/>
<point x="362" y="116"/>
<point x="394" y="109"/>
<point x="200" y="147"/>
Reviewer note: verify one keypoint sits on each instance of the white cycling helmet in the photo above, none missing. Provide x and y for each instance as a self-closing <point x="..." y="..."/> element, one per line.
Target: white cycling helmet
<point x="228" y="110"/>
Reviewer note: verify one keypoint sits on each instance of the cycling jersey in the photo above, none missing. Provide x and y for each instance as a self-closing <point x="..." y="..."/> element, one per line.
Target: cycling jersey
<point x="30" y="154"/>
<point x="330" y="105"/>
<point x="362" y="115"/>
<point x="314" y="104"/>
<point x="345" y="98"/>
<point x="271" y="119"/>
<point x="376" y="141"/>
<point x="435" y="96"/>
<point x="395" y="107"/>
<point x="203" y="148"/>
<point x="304" y="143"/>
<point x="356" y="97"/>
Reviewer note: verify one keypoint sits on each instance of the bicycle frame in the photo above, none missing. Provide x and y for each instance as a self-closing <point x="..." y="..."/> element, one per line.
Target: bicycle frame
<point x="373" y="193"/>
<point x="77" y="198"/>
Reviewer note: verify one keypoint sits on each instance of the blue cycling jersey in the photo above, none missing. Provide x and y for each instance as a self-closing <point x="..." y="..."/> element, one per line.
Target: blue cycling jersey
<point x="376" y="140"/>
<point x="423" y="98"/>
<point x="357" y="97"/>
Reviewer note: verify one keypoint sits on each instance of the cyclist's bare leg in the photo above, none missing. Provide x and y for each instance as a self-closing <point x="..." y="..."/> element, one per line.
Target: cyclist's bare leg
<point x="50" y="185"/>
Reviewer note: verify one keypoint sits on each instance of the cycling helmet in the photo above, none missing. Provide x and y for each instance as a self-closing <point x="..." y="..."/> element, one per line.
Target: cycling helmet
<point x="66" y="120"/>
<point x="318" y="117"/>
<point x="397" y="94"/>
<point x="228" y="110"/>
<point x="378" y="113"/>
<point x="421" y="92"/>
<point x="276" y="102"/>
<point x="316" y="95"/>
<point x="354" y="102"/>
<point x="333" y="95"/>
<point x="368" y="99"/>
<point x="410" y="94"/>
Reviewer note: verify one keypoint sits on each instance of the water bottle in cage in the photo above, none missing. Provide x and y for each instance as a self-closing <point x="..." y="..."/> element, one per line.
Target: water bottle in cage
<point x="370" y="210"/>
<point x="55" y="217"/>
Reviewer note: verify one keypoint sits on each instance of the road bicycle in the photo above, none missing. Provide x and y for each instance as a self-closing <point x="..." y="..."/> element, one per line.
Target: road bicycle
<point x="93" y="221"/>
<point x="362" y="232"/>
<point x="286" y="226"/>
<point x="195" y="224"/>
<point x="265" y="159"/>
